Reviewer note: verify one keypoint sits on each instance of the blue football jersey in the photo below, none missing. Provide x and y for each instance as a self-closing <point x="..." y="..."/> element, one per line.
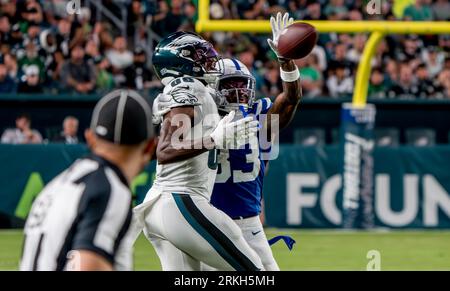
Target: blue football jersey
<point x="239" y="182"/>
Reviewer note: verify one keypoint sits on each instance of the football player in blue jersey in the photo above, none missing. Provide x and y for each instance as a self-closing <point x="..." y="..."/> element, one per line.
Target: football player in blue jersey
<point x="239" y="181"/>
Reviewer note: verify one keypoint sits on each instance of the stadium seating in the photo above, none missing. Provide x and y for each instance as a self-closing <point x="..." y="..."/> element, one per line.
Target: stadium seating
<point x="387" y="136"/>
<point x="420" y="137"/>
<point x="309" y="136"/>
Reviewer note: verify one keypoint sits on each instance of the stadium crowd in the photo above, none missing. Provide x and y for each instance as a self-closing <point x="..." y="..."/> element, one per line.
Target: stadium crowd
<point x="43" y="49"/>
<point x="404" y="66"/>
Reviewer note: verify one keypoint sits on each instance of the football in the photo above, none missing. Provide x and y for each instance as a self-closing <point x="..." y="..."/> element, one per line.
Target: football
<point x="297" y="41"/>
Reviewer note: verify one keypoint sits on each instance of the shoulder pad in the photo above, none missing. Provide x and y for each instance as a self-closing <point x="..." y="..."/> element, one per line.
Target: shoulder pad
<point x="183" y="91"/>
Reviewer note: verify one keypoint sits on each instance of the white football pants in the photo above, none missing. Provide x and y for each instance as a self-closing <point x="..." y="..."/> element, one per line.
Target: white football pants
<point x="186" y="230"/>
<point x="253" y="232"/>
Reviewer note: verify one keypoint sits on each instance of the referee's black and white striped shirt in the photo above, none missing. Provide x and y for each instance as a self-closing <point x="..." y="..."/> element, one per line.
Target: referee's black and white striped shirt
<point x="87" y="207"/>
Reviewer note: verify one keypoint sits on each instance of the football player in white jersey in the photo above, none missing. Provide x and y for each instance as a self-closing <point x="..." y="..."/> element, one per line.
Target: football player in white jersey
<point x="239" y="182"/>
<point x="176" y="216"/>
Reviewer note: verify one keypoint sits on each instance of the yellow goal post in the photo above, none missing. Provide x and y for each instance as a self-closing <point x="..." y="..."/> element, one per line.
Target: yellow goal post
<point x="377" y="30"/>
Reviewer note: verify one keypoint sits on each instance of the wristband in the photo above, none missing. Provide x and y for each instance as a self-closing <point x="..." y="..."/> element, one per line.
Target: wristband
<point x="291" y="76"/>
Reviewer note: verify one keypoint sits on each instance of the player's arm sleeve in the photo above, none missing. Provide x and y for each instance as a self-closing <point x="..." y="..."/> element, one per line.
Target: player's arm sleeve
<point x="104" y="218"/>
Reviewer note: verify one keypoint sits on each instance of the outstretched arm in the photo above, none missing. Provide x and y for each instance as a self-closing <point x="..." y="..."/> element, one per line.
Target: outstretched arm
<point x="285" y="105"/>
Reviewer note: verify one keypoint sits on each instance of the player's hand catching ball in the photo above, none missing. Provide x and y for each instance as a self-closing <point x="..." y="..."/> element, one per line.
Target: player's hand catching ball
<point x="278" y="24"/>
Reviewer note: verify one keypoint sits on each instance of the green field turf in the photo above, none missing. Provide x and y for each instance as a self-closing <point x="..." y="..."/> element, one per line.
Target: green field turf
<point x="314" y="250"/>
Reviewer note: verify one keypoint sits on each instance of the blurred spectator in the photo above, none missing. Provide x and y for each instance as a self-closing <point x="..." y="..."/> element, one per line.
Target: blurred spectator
<point x="16" y="37"/>
<point x="444" y="43"/>
<point x="298" y="8"/>
<point x="5" y="28"/>
<point x="35" y="32"/>
<point x="407" y="84"/>
<point x="340" y="56"/>
<point x="377" y="84"/>
<point x="119" y="56"/>
<point x="251" y="9"/>
<point x="411" y="48"/>
<point x="447" y="63"/>
<point x="425" y="85"/>
<point x="105" y="80"/>
<point x="190" y="13"/>
<point x="160" y="17"/>
<point x="442" y="85"/>
<point x="138" y="75"/>
<point x="77" y="74"/>
<point x="419" y="11"/>
<point x="355" y="15"/>
<point x="314" y="12"/>
<point x="31" y="11"/>
<point x="11" y="65"/>
<point x="63" y="37"/>
<point x="248" y="59"/>
<point x="23" y="133"/>
<point x="311" y="78"/>
<point x="31" y="83"/>
<point x="321" y="57"/>
<point x="441" y="10"/>
<point x="55" y="8"/>
<point x="31" y="57"/>
<point x="272" y="82"/>
<point x="69" y="135"/>
<point x="444" y="79"/>
<point x="392" y="71"/>
<point x="32" y="34"/>
<point x="336" y="8"/>
<point x="7" y="84"/>
<point x="136" y="16"/>
<point x="92" y="51"/>
<point x="175" y="16"/>
<point x="83" y="26"/>
<point x="168" y="18"/>
<point x="139" y="19"/>
<point x="102" y="35"/>
<point x="224" y="9"/>
<point x="54" y="58"/>
<point x="434" y="60"/>
<point x="9" y="9"/>
<point x="339" y="83"/>
<point x="355" y="53"/>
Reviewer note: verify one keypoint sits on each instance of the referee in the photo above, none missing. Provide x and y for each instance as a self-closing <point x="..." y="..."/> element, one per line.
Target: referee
<point x="80" y="220"/>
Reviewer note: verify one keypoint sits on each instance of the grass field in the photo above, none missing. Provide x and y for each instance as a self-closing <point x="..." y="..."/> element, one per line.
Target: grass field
<point x="314" y="250"/>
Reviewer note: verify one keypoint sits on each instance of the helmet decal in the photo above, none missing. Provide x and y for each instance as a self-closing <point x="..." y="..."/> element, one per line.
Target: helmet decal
<point x="181" y="95"/>
<point x="235" y="62"/>
<point x="185" y="53"/>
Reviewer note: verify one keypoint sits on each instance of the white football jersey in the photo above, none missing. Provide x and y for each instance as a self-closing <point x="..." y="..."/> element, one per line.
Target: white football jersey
<point x="197" y="174"/>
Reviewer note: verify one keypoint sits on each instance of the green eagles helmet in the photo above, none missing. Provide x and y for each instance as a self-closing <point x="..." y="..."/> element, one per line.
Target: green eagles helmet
<point x="185" y="53"/>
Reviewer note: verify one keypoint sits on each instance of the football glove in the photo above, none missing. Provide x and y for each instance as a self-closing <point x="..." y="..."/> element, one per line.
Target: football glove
<point x="278" y="24"/>
<point x="234" y="134"/>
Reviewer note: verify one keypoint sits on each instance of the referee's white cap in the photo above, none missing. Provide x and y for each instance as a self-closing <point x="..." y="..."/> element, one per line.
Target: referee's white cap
<point x="123" y="117"/>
